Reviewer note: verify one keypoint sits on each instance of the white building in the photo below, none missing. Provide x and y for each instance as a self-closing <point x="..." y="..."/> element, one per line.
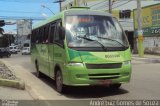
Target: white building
<point x="24" y="28"/>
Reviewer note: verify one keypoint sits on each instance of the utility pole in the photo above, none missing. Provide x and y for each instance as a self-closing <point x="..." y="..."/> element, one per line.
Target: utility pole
<point x="140" y="31"/>
<point x="110" y="6"/>
<point x="60" y="6"/>
<point x="76" y="3"/>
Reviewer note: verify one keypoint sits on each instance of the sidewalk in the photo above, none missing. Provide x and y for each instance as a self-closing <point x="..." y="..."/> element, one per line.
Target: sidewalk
<point x="146" y="59"/>
<point x="7" y="93"/>
<point x="10" y="85"/>
<point x="37" y="88"/>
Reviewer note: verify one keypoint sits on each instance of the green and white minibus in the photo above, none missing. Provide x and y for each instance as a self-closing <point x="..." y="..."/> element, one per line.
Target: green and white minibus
<point x="81" y="47"/>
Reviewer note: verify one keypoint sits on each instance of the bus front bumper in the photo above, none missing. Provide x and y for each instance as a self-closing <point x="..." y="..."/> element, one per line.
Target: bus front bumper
<point x="76" y="76"/>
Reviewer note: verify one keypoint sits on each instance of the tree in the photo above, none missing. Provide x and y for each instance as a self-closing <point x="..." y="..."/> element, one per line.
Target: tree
<point x="1" y="30"/>
<point x="2" y="23"/>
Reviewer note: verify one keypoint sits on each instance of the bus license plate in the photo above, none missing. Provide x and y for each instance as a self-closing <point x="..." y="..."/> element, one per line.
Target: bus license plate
<point x="106" y="82"/>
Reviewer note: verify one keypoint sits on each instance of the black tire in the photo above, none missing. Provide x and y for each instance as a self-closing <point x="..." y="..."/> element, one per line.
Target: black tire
<point x="59" y="82"/>
<point x="38" y="73"/>
<point x="115" y="86"/>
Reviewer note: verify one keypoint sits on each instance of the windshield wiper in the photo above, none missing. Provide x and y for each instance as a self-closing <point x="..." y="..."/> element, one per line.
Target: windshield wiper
<point x="112" y="40"/>
<point x="104" y="48"/>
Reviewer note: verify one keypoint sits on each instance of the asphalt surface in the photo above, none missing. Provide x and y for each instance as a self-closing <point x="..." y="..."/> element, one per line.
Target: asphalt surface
<point x="145" y="83"/>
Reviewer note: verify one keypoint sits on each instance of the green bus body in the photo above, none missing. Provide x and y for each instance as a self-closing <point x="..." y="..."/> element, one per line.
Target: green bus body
<point x="80" y="67"/>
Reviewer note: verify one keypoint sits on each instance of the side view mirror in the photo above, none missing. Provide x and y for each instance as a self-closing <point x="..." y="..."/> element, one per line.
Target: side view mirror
<point x="62" y="33"/>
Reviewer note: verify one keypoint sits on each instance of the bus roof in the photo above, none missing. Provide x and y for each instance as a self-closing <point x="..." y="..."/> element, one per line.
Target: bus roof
<point x="52" y="18"/>
<point x="72" y="11"/>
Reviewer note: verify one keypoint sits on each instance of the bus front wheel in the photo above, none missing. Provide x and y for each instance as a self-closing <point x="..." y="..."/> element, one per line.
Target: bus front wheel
<point x="59" y="82"/>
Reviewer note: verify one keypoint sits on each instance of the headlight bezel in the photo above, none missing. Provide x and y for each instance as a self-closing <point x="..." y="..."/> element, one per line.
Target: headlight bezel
<point x="75" y="64"/>
<point x="128" y="62"/>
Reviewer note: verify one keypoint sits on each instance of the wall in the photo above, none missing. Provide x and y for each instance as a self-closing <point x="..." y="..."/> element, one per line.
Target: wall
<point x="151" y="28"/>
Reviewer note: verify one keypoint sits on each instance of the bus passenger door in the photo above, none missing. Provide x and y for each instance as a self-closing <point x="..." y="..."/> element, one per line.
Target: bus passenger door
<point x="51" y="49"/>
<point x="44" y="66"/>
<point x="59" y="51"/>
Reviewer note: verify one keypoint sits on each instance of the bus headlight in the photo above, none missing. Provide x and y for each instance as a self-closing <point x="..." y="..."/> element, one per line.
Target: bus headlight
<point x="75" y="64"/>
<point x="127" y="62"/>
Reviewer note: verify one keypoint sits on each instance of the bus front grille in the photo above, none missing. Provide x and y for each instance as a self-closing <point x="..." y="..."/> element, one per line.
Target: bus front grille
<point x="104" y="66"/>
<point x="104" y="76"/>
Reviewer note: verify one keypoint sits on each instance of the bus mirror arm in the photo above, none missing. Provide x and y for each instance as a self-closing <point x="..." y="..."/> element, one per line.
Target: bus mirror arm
<point x="62" y="33"/>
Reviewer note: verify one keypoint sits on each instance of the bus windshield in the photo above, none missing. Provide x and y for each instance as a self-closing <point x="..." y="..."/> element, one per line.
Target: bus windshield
<point x="84" y="30"/>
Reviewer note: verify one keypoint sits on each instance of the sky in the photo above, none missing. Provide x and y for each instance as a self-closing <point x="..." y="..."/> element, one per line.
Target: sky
<point x="34" y="9"/>
<point x="26" y="8"/>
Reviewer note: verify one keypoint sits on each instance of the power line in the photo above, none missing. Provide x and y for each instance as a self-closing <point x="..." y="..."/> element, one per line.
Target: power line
<point x="117" y="1"/>
<point x="27" y="1"/>
<point x="98" y="3"/>
<point x="122" y="4"/>
<point x="19" y="11"/>
<point x="18" y="18"/>
<point x="102" y="6"/>
<point x="105" y="5"/>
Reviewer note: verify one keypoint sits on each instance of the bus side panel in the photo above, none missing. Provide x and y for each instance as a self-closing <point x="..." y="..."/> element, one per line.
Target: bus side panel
<point x="44" y="59"/>
<point x="59" y="57"/>
<point x="51" y="60"/>
<point x="40" y="54"/>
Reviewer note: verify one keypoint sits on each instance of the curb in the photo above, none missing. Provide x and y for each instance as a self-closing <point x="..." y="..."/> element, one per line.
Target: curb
<point x="33" y="93"/>
<point x="18" y="83"/>
<point x="12" y="83"/>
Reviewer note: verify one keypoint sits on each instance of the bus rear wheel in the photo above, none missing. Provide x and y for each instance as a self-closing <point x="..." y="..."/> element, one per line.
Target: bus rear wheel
<point x="59" y="82"/>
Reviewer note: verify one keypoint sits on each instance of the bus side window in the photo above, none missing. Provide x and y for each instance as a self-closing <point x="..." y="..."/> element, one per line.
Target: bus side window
<point x="46" y="33"/>
<point x="56" y="36"/>
<point x="43" y="36"/>
<point x="51" y="33"/>
<point x="41" y="33"/>
<point x="37" y="36"/>
<point x="33" y="36"/>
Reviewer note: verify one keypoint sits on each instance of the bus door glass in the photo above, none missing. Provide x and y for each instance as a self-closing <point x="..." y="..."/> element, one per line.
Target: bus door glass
<point x="51" y="48"/>
<point x="44" y="50"/>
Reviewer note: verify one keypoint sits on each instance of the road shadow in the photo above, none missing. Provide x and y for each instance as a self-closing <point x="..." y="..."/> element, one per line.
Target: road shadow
<point x="93" y="92"/>
<point x="85" y="92"/>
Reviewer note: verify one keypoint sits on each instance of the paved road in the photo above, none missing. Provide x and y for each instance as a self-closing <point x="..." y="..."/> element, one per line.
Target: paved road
<point x="145" y="83"/>
<point x="21" y="60"/>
